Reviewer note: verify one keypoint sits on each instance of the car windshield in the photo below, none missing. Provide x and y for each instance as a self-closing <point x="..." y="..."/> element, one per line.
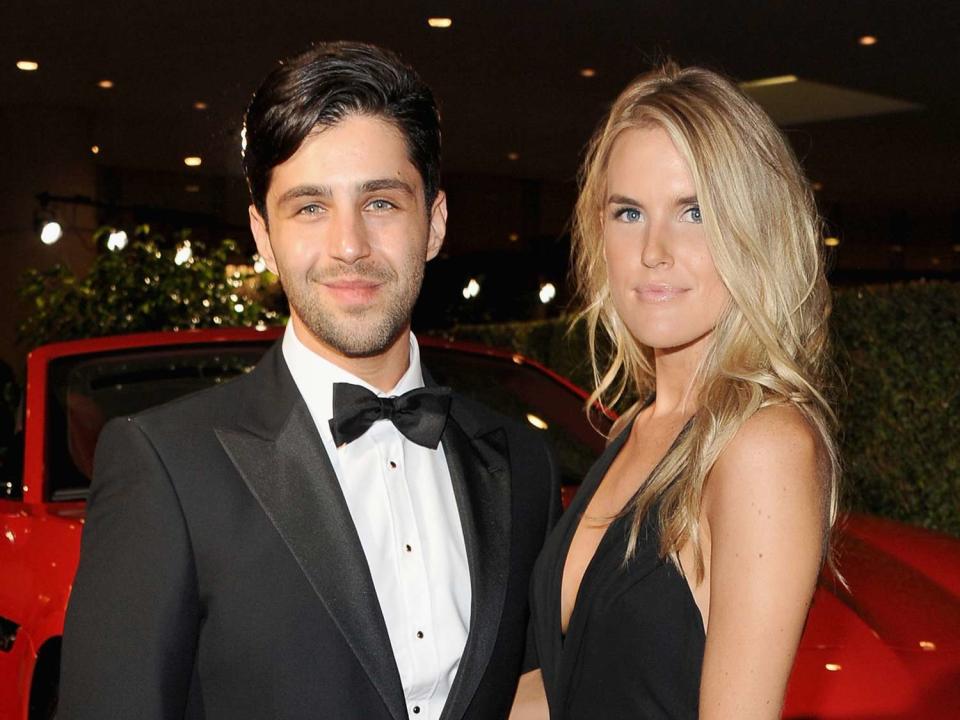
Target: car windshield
<point x="86" y="391"/>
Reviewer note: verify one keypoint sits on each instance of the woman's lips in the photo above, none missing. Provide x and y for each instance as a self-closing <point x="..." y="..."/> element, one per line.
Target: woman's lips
<point x="658" y="292"/>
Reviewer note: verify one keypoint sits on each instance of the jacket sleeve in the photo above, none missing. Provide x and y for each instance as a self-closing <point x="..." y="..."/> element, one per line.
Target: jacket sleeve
<point x="131" y="627"/>
<point x="554" y="508"/>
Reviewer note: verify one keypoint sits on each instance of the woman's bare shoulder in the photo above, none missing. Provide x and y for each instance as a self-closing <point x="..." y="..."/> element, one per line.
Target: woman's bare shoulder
<point x="774" y="462"/>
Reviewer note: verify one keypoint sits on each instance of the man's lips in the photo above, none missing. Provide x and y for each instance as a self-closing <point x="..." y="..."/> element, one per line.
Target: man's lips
<point x="659" y="292"/>
<point x="352" y="290"/>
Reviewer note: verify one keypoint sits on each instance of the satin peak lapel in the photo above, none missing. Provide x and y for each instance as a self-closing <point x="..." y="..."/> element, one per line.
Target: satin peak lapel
<point x="293" y="480"/>
<point x="480" y="473"/>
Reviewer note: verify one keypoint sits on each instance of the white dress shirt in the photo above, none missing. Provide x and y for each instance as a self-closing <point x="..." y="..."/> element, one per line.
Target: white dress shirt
<point x="401" y="500"/>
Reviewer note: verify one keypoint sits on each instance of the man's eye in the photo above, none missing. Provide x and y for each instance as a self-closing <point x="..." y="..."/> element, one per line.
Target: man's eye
<point x="629" y="215"/>
<point x="693" y="215"/>
<point x="381" y="204"/>
<point x="311" y="209"/>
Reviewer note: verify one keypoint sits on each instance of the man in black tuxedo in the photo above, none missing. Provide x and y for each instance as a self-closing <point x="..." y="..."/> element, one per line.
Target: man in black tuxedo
<point x="324" y="537"/>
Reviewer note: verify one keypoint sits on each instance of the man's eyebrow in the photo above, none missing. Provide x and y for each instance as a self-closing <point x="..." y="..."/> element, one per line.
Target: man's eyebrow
<point x="302" y="191"/>
<point x="386" y="184"/>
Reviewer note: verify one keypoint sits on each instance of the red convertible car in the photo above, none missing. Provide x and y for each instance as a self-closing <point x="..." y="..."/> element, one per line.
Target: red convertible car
<point x="889" y="647"/>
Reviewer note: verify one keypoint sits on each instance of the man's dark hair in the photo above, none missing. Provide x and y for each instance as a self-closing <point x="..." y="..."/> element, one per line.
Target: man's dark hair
<point x="324" y="85"/>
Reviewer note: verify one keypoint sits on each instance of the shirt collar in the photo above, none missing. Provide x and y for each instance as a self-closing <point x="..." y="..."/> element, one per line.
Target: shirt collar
<point x="314" y="375"/>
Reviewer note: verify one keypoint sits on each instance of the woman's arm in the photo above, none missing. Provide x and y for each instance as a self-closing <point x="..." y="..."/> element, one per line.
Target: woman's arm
<point x="764" y="503"/>
<point x="530" y="702"/>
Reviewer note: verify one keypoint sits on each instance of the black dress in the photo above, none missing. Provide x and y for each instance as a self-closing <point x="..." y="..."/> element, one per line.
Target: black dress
<point x="634" y="644"/>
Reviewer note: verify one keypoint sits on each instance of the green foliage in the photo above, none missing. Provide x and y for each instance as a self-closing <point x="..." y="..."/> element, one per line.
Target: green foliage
<point x="141" y="288"/>
<point x="897" y="349"/>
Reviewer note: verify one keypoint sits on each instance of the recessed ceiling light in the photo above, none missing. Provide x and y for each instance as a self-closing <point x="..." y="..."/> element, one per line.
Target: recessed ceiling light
<point x="95" y="149"/>
<point x="766" y="82"/>
<point x="193" y="161"/>
<point x="513" y="156"/>
<point x="513" y="237"/>
<point x="105" y="84"/>
<point x="192" y="188"/>
<point x="867" y="40"/>
<point x="831" y="241"/>
<point x="199" y="105"/>
<point x="934" y="261"/>
<point x="439" y="22"/>
<point x="588" y="73"/>
<point x="27" y="65"/>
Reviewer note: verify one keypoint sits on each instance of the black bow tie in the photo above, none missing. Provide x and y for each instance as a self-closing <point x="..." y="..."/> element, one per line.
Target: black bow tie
<point x="420" y="414"/>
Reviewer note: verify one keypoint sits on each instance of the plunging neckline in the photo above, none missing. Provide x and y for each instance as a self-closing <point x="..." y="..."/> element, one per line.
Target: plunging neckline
<point x="613" y="451"/>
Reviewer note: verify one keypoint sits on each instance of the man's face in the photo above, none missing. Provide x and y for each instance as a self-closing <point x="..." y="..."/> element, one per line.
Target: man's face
<point x="349" y="235"/>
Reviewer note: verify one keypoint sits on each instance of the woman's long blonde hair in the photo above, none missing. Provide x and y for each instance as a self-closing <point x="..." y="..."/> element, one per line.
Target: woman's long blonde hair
<point x="770" y="344"/>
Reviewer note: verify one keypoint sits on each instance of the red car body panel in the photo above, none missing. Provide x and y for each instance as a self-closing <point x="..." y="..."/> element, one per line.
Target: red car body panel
<point x="889" y="647"/>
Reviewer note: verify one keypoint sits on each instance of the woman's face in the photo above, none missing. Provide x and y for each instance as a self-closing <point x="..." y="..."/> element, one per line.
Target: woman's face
<point x="663" y="282"/>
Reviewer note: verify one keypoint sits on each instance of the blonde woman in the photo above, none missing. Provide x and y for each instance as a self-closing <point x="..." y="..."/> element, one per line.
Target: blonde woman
<point x="677" y="584"/>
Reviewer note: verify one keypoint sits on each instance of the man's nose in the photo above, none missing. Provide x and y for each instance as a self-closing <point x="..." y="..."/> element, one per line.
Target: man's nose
<point x="349" y="241"/>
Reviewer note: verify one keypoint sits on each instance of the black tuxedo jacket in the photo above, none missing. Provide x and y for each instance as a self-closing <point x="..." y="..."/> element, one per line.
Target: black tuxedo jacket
<point x="221" y="576"/>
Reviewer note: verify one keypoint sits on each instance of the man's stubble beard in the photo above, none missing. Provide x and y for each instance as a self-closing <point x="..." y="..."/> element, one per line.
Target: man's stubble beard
<point x="367" y="331"/>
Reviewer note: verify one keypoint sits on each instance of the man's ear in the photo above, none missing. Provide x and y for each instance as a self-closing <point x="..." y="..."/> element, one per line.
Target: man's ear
<point x="258" y="226"/>
<point x="438" y="225"/>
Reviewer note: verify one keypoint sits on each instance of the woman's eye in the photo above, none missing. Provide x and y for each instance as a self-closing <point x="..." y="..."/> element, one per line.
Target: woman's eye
<point x="693" y="215"/>
<point x="629" y="215"/>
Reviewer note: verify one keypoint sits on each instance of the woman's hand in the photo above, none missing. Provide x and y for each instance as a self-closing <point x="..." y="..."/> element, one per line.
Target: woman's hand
<point x="530" y="702"/>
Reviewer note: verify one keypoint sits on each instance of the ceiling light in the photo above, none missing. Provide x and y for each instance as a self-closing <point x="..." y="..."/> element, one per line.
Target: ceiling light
<point x="833" y="667"/>
<point x="95" y="149"/>
<point x="867" y="40"/>
<point x="192" y="188"/>
<point x="547" y="292"/>
<point x="117" y="240"/>
<point x="199" y="105"/>
<point x="831" y="241"/>
<point x="896" y="248"/>
<point x="184" y="253"/>
<point x="817" y="186"/>
<point x="766" y="82"/>
<point x="588" y="73"/>
<point x="28" y="65"/>
<point x="513" y="156"/>
<point x="193" y="161"/>
<point x="439" y="22"/>
<point x="513" y="237"/>
<point x="956" y="248"/>
<point x="51" y="232"/>
<point x="472" y="289"/>
<point x="927" y="645"/>
<point x="105" y="84"/>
